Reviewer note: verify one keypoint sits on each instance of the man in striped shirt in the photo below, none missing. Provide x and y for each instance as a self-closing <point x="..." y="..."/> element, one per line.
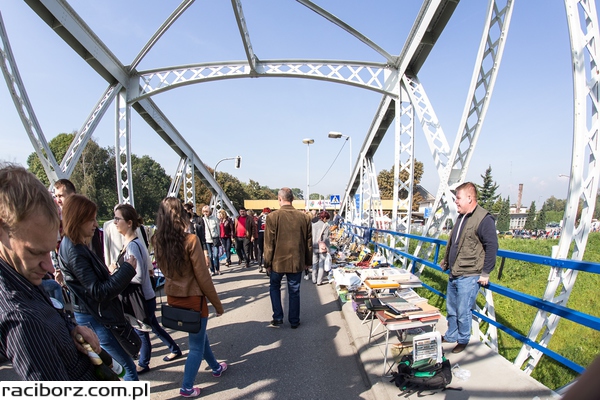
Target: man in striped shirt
<point x="34" y="336"/>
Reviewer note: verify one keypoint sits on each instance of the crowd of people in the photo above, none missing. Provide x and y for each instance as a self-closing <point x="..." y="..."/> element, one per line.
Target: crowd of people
<point x="53" y="252"/>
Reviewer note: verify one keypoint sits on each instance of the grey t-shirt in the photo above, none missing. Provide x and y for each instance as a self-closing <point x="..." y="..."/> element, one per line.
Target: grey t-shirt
<point x="142" y="275"/>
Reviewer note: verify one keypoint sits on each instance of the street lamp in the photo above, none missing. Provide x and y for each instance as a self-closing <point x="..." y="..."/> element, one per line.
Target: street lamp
<point x="339" y="135"/>
<point x="217" y="197"/>
<point x="307" y="142"/>
<point x="238" y="164"/>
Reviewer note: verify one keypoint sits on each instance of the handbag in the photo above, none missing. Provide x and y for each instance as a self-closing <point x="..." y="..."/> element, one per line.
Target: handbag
<point x="322" y="245"/>
<point x="127" y="338"/>
<point x="216" y="242"/>
<point x="134" y="307"/>
<point x="327" y="264"/>
<point x="180" y="319"/>
<point x="134" y="301"/>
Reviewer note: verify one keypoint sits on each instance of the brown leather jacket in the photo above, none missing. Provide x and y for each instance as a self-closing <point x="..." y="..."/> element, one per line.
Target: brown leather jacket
<point x="288" y="240"/>
<point x="196" y="281"/>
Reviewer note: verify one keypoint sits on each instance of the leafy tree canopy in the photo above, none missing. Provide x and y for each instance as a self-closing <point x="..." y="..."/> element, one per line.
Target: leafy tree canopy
<point x="385" y="181"/>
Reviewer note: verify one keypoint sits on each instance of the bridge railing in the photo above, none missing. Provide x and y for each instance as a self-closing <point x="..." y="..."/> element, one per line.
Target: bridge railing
<point x="380" y="239"/>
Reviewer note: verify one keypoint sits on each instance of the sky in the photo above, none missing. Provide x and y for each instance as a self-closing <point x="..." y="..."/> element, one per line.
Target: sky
<point x="526" y="137"/>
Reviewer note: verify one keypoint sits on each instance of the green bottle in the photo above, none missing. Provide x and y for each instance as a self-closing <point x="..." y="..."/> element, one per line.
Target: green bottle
<point x="102" y="371"/>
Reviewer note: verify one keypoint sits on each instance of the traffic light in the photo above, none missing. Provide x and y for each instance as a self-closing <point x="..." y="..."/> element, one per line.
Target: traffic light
<point x="238" y="162"/>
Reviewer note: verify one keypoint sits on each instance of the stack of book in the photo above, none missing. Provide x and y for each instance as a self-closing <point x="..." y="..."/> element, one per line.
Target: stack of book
<point x="401" y="309"/>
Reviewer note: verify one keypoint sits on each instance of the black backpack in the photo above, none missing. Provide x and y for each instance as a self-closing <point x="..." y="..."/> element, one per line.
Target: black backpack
<point x="419" y="377"/>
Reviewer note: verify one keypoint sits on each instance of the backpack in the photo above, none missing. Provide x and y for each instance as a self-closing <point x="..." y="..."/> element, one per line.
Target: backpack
<point x="419" y="377"/>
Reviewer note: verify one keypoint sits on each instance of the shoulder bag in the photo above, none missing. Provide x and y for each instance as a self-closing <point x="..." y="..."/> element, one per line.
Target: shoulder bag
<point x="134" y="302"/>
<point x="322" y="245"/>
<point x="180" y="319"/>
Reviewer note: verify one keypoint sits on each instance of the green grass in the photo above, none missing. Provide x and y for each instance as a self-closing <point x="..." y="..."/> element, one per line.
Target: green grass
<point x="571" y="340"/>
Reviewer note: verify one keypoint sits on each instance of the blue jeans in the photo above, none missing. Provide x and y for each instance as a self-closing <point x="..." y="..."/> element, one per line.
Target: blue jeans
<point x="293" y="283"/>
<point x="199" y="350"/>
<point x="460" y="299"/>
<point x="53" y="289"/>
<point x="146" y="350"/>
<point x="110" y="344"/>
<point x="226" y="241"/>
<point x="213" y="252"/>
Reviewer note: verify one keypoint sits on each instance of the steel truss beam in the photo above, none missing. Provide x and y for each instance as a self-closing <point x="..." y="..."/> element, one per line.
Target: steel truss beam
<point x="372" y="76"/>
<point x="72" y="29"/>
<point x="24" y="108"/>
<point x="484" y="77"/>
<point x="404" y="159"/>
<point x="123" y="150"/>
<point x="584" y="33"/>
<point x="429" y="24"/>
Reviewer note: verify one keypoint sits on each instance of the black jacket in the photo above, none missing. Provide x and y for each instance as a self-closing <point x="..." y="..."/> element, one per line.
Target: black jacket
<point x="93" y="290"/>
<point x="197" y="227"/>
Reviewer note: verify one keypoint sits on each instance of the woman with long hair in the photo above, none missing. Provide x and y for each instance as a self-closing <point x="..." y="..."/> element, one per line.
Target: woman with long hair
<point x="127" y="222"/>
<point x="94" y="291"/>
<point x="188" y="285"/>
<point x="226" y="234"/>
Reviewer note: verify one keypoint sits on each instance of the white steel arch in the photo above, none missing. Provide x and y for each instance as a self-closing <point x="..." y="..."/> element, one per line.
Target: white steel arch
<point x="133" y="91"/>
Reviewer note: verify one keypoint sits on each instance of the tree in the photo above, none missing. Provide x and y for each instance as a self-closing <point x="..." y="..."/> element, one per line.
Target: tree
<point x="503" y="221"/>
<point x="498" y="204"/>
<point x="93" y="172"/>
<point x="298" y="193"/>
<point x="554" y="204"/>
<point x="385" y="181"/>
<point x="150" y="185"/>
<point x="58" y="146"/>
<point x="487" y="192"/>
<point x="257" y="192"/>
<point x="530" y="221"/>
<point x="540" y="221"/>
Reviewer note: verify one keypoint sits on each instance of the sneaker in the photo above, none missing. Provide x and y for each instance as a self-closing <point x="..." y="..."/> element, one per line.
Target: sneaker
<point x="194" y="392"/>
<point x="222" y="368"/>
<point x="306" y="277"/>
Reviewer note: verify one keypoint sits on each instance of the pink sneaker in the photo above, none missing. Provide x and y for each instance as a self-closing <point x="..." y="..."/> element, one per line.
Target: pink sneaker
<point x="222" y="368"/>
<point x="194" y="392"/>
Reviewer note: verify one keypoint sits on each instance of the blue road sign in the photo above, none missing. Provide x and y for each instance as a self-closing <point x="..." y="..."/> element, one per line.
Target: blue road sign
<point x="334" y="199"/>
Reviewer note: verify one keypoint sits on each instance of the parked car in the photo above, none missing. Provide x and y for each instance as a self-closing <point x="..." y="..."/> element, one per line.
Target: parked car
<point x="505" y="235"/>
<point x="523" y="235"/>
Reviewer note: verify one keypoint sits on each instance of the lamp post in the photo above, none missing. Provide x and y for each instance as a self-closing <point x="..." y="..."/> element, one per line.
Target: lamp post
<point x="307" y="142"/>
<point x="238" y="164"/>
<point x="339" y="135"/>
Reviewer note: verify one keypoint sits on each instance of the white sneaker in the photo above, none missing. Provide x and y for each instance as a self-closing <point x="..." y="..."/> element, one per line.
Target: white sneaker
<point x="306" y="277"/>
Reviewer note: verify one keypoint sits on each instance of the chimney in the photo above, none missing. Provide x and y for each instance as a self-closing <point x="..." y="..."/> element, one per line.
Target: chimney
<point x="519" y="198"/>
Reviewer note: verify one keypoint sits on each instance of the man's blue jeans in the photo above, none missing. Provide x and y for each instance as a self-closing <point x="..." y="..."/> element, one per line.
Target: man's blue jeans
<point x="460" y="299"/>
<point x="293" y="283"/>
<point x="110" y="344"/>
<point x="146" y="349"/>
<point x="199" y="350"/>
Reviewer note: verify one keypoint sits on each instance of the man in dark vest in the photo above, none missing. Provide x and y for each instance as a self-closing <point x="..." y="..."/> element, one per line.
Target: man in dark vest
<point x="470" y="257"/>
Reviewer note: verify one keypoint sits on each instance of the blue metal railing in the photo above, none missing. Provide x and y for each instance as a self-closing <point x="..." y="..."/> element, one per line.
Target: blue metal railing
<point x="365" y="235"/>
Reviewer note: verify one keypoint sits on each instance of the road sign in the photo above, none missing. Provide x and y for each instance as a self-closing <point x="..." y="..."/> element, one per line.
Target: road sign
<point x="334" y="199"/>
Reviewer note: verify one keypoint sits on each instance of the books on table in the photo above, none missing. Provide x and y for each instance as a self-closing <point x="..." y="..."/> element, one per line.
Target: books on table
<point x="400" y="306"/>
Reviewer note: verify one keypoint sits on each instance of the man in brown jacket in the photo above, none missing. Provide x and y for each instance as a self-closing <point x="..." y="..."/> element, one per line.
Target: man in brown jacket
<point x="288" y="251"/>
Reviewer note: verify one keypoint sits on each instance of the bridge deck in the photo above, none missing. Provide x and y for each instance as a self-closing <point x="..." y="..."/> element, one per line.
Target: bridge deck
<point x="328" y="355"/>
